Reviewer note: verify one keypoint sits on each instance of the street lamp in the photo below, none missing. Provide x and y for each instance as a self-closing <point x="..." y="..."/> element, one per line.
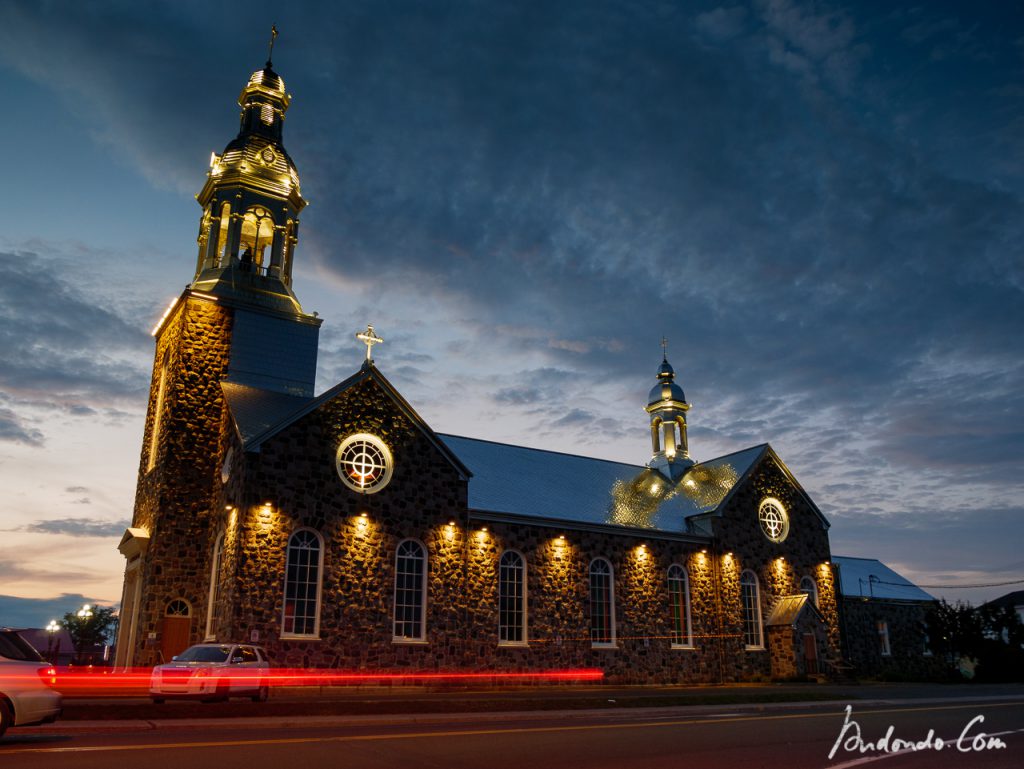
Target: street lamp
<point x="85" y="612"/>
<point x="51" y="630"/>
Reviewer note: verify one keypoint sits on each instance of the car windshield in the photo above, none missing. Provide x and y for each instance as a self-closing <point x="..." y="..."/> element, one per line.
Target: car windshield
<point x="14" y="647"/>
<point x="204" y="654"/>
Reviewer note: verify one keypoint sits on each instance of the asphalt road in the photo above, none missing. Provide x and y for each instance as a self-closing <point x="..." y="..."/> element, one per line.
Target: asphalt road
<point x="790" y="736"/>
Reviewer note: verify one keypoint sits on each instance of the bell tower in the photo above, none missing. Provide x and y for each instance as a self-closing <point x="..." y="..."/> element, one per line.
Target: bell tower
<point x="237" y="323"/>
<point x="667" y="407"/>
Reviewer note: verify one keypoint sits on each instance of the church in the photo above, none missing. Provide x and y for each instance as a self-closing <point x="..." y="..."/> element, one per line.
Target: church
<point x="341" y="531"/>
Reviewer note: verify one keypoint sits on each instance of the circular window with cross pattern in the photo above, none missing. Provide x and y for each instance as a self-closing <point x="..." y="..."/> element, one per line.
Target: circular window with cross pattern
<point x="364" y="463"/>
<point x="774" y="519"/>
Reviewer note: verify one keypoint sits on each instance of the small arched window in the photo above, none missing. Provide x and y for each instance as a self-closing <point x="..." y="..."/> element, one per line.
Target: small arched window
<point x="178" y="608"/>
<point x="511" y="598"/>
<point x="679" y="600"/>
<point x="410" y="591"/>
<point x="303" y="569"/>
<point x="807" y="585"/>
<point x="213" y="596"/>
<point x="750" y="608"/>
<point x="602" y="603"/>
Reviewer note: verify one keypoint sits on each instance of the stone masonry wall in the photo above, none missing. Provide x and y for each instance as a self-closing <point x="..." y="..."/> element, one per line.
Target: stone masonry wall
<point x="173" y="500"/>
<point x="778" y="566"/>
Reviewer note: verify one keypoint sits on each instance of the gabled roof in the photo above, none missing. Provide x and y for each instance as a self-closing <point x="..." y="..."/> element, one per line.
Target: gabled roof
<point x="259" y="415"/>
<point x="765" y="450"/>
<point x="547" y="484"/>
<point x="868" y="578"/>
<point x="788" y="608"/>
<point x="256" y="411"/>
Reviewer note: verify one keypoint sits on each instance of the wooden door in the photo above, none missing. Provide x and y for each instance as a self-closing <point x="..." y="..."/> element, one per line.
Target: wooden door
<point x="810" y="654"/>
<point x="174" y="636"/>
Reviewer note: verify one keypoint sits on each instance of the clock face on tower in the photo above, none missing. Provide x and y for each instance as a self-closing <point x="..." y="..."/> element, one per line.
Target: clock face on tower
<point x="773" y="519"/>
<point x="364" y="463"/>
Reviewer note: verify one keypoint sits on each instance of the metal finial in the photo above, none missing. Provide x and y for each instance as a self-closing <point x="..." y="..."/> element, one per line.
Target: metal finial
<point x="369" y="338"/>
<point x="664" y="349"/>
<point x="270" y="53"/>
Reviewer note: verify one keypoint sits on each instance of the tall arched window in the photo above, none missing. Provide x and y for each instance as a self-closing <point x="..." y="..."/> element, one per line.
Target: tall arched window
<point x="222" y="233"/>
<point x="158" y="412"/>
<point x="750" y="606"/>
<point x="214" y="593"/>
<point x="679" y="599"/>
<point x="410" y="591"/>
<point x="511" y="598"/>
<point x="807" y="585"/>
<point x="303" y="569"/>
<point x="602" y="603"/>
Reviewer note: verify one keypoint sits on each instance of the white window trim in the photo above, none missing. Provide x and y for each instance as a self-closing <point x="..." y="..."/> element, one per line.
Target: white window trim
<point x="526" y="603"/>
<point x="757" y="605"/>
<point x="215" y="564"/>
<point x="315" y="635"/>
<point x="688" y="643"/>
<point x="422" y="639"/>
<point x="614" y="642"/>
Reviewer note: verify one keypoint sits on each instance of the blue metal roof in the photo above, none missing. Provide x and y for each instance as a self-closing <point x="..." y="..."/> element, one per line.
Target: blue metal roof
<point x="869" y="578"/>
<point x="549" y="484"/>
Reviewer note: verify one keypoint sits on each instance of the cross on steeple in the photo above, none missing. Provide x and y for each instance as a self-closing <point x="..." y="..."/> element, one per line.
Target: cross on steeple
<point x="270" y="53"/>
<point x="369" y="338"/>
<point x="664" y="348"/>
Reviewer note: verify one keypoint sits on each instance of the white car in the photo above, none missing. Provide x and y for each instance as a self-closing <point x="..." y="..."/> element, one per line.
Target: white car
<point x="214" y="671"/>
<point x="27" y="696"/>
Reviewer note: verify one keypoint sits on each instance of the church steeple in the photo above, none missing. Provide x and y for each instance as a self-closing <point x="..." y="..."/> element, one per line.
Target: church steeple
<point x="667" y="407"/>
<point x="251" y="203"/>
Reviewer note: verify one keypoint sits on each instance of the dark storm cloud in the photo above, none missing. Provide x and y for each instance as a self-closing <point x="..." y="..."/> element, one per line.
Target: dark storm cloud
<point x="60" y="349"/>
<point x="801" y="210"/>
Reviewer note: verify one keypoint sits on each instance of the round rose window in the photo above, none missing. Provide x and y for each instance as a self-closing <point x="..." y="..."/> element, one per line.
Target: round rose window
<point x="774" y="520"/>
<point x="364" y="463"/>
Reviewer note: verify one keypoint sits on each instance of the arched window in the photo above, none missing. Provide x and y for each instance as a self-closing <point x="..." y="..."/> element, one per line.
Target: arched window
<point x="410" y="591"/>
<point x="178" y="608"/>
<point x="679" y="599"/>
<point x="807" y="585"/>
<point x="511" y="598"/>
<point x="602" y="603"/>
<point x="257" y="235"/>
<point x="213" y="597"/>
<point x="303" y="567"/>
<point x="750" y="607"/>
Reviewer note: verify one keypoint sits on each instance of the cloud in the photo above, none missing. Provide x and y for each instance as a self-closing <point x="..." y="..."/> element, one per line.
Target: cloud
<point x="13" y="428"/>
<point x="78" y="357"/>
<point x="77" y="527"/>
<point x="36" y="612"/>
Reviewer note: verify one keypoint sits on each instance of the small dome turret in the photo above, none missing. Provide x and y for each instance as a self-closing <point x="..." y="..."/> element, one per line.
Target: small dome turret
<point x="667" y="406"/>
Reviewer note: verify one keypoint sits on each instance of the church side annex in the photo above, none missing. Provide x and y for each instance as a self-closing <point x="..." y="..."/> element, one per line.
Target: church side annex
<point x="340" y="531"/>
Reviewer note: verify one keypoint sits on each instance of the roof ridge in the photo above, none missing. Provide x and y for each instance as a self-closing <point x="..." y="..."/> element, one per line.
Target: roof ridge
<point x="584" y="456"/>
<point x="543" y="451"/>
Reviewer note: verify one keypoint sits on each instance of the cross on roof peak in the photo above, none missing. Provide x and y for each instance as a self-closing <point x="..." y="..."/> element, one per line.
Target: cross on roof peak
<point x="369" y="338"/>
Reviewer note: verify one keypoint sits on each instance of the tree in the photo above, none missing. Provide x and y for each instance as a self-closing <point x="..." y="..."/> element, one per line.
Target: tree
<point x="90" y="627"/>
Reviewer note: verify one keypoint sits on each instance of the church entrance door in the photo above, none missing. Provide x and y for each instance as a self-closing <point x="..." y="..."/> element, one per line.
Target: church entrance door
<point x="175" y="629"/>
<point x="810" y="654"/>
